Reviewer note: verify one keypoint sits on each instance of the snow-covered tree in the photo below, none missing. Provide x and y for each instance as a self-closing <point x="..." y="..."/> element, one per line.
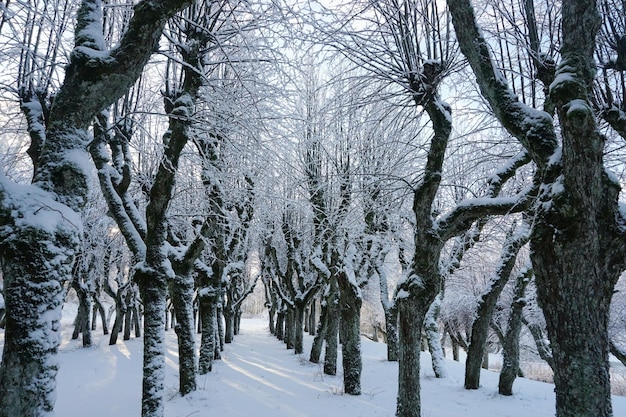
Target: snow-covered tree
<point x="41" y="222"/>
<point x="577" y="210"/>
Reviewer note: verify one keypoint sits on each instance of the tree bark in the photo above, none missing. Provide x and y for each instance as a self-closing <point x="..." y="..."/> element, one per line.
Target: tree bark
<point x="237" y="321"/>
<point x="153" y="289"/>
<point x="128" y="322"/>
<point x="208" y="312"/>
<point x="280" y="324"/>
<point x="181" y="289"/>
<point x="431" y="327"/>
<point x="98" y="308"/>
<point x="318" y="340"/>
<point x="220" y="329"/>
<point x="411" y="313"/>
<point x="332" y="329"/>
<point x="29" y="366"/>
<point x="350" y="301"/>
<point x="391" y="328"/>
<point x="312" y="318"/>
<point x="272" y="315"/>
<point x="82" y="321"/>
<point x="299" y="328"/>
<point x="229" y="320"/>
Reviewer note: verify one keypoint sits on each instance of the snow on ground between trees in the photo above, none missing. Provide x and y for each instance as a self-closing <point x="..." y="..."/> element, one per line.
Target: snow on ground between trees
<point x="258" y="376"/>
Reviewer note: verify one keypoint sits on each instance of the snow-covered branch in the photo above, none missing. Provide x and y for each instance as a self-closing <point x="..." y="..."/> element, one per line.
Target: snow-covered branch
<point x="467" y="211"/>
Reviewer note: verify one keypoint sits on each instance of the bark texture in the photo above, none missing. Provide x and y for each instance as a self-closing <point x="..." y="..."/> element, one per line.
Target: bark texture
<point x="181" y="290"/>
<point x="209" y="338"/>
<point x="411" y="313"/>
<point x="350" y="301"/>
<point x="153" y="290"/>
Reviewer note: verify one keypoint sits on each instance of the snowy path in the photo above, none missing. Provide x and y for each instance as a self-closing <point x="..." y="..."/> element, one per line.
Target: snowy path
<point x="259" y="377"/>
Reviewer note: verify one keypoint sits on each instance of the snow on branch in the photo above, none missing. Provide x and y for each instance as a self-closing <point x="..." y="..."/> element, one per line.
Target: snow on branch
<point x="316" y="261"/>
<point x="506" y="171"/>
<point x="616" y="118"/>
<point x="29" y="207"/>
<point x="459" y="219"/>
<point x="88" y="32"/>
<point x="532" y="127"/>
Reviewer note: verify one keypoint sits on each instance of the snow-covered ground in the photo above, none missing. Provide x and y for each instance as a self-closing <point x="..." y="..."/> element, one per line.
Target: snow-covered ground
<point x="259" y="377"/>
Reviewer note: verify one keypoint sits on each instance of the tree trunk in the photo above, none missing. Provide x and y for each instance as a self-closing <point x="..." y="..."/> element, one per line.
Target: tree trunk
<point x="81" y="323"/>
<point x="220" y="329"/>
<point x="181" y="289"/>
<point x="318" y="341"/>
<point x="312" y="318"/>
<point x="237" y="321"/>
<point x="485" y="362"/>
<point x="391" y="326"/>
<point x="510" y="346"/>
<point x="455" y="350"/>
<point x="290" y="328"/>
<point x="280" y="325"/>
<point x="411" y="314"/>
<point x="332" y="330"/>
<point x="208" y="320"/>
<point x="431" y="327"/>
<point x="27" y="381"/>
<point x="272" y="323"/>
<point x="579" y="335"/>
<point x="136" y="319"/>
<point x="350" y="328"/>
<point x="99" y="308"/>
<point x="229" y="320"/>
<point x="543" y="345"/>
<point x="153" y="293"/>
<point x="128" y="322"/>
<point x="120" y="312"/>
<point x="299" y="329"/>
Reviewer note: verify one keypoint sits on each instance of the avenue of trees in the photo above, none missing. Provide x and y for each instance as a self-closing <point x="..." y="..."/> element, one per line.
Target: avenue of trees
<point x="428" y="172"/>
